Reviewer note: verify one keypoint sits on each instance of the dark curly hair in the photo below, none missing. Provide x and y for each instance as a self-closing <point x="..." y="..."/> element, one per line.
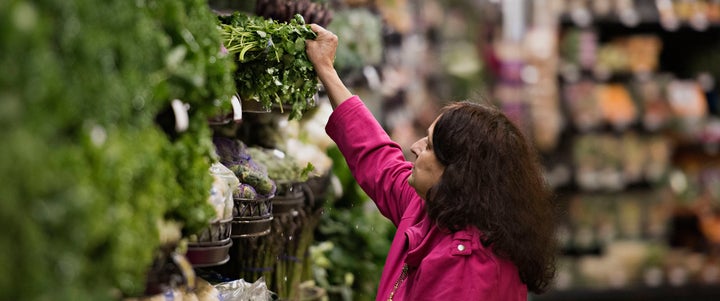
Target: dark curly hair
<point x="493" y="180"/>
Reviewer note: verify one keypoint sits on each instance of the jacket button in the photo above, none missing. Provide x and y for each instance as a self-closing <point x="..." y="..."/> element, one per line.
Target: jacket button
<point x="461" y="248"/>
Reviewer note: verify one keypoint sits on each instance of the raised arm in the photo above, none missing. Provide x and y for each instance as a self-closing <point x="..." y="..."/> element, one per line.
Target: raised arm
<point x="321" y="53"/>
<point x="377" y="163"/>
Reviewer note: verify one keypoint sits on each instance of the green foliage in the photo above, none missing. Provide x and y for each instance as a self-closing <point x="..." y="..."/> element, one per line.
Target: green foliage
<point x="86" y="174"/>
<point x="273" y="67"/>
<point x="360" y="237"/>
<point x="195" y="70"/>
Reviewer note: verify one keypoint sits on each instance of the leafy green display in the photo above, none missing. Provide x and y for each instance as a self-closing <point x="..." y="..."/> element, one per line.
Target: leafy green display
<point x="86" y="173"/>
<point x="273" y="67"/>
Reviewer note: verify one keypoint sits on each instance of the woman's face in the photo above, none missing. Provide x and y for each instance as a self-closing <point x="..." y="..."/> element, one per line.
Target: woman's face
<point x="427" y="170"/>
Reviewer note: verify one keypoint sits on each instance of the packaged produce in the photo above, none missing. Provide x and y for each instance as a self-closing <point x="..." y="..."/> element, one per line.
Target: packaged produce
<point x="656" y="110"/>
<point x="240" y="289"/>
<point x="234" y="155"/>
<point x="643" y="53"/>
<point x="582" y="104"/>
<point x="224" y="186"/>
<point x="255" y="178"/>
<point x="633" y="158"/>
<point x="579" y="48"/>
<point x="687" y="99"/>
<point x="280" y="166"/>
<point x="230" y="151"/>
<point x="616" y="105"/>
<point x="245" y="191"/>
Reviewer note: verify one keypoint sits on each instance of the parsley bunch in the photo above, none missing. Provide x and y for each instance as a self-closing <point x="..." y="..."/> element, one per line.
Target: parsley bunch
<point x="272" y="66"/>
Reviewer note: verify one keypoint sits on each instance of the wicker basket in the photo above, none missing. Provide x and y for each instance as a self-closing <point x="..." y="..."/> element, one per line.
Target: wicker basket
<point x="205" y="256"/>
<point x="251" y="209"/>
<point x="215" y="234"/>
<point x="252" y="217"/>
<point x="289" y="198"/>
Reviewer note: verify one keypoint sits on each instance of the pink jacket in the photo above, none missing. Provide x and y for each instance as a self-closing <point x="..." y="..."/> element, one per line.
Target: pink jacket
<point x="440" y="265"/>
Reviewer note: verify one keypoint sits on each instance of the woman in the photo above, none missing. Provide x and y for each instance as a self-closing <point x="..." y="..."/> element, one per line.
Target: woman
<point x="474" y="216"/>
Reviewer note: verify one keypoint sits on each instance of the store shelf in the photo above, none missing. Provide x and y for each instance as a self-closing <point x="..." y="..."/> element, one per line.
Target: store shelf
<point x="681" y="293"/>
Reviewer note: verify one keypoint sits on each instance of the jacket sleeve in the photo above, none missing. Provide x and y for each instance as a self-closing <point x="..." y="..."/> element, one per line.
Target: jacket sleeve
<point x="376" y="162"/>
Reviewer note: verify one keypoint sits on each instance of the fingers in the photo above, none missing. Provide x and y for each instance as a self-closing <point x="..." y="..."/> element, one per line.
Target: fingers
<point x="321" y="50"/>
<point x="315" y="27"/>
<point x="322" y="32"/>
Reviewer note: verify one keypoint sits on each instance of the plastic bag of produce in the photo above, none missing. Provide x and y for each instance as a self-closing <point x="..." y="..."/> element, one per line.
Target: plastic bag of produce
<point x="240" y="290"/>
<point x="221" y="194"/>
<point x="245" y="191"/>
<point x="259" y="180"/>
<point x="281" y="167"/>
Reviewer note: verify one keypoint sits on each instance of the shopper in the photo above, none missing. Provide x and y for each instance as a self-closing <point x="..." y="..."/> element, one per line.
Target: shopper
<point x="474" y="216"/>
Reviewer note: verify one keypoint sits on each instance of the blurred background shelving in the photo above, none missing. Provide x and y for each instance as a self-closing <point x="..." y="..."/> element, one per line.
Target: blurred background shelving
<point x="620" y="97"/>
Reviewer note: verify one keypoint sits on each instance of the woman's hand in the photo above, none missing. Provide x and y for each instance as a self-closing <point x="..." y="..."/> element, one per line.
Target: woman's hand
<point x="321" y="50"/>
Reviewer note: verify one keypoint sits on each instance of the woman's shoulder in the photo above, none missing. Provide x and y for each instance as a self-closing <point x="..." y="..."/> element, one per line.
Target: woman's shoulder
<point x="467" y="242"/>
<point x="462" y="258"/>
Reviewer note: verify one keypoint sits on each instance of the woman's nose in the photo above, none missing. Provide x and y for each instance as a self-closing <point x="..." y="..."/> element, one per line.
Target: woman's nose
<point x="418" y="146"/>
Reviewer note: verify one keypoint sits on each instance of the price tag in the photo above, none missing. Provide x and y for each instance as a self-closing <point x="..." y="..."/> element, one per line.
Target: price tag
<point x="180" y="109"/>
<point x="237" y="108"/>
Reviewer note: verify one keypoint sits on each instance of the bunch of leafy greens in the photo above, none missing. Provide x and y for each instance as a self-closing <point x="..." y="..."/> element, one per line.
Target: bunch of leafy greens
<point x="87" y="175"/>
<point x="272" y="66"/>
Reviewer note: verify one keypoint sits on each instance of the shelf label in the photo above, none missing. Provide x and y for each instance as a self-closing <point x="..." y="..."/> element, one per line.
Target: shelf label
<point x="180" y="109"/>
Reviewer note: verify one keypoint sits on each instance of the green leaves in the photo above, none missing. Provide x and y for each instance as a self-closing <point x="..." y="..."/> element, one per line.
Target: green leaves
<point x="273" y="67"/>
<point x="86" y="174"/>
<point x="300" y="44"/>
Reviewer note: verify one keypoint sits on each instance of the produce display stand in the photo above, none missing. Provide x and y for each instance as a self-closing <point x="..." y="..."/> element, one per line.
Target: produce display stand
<point x="270" y="235"/>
